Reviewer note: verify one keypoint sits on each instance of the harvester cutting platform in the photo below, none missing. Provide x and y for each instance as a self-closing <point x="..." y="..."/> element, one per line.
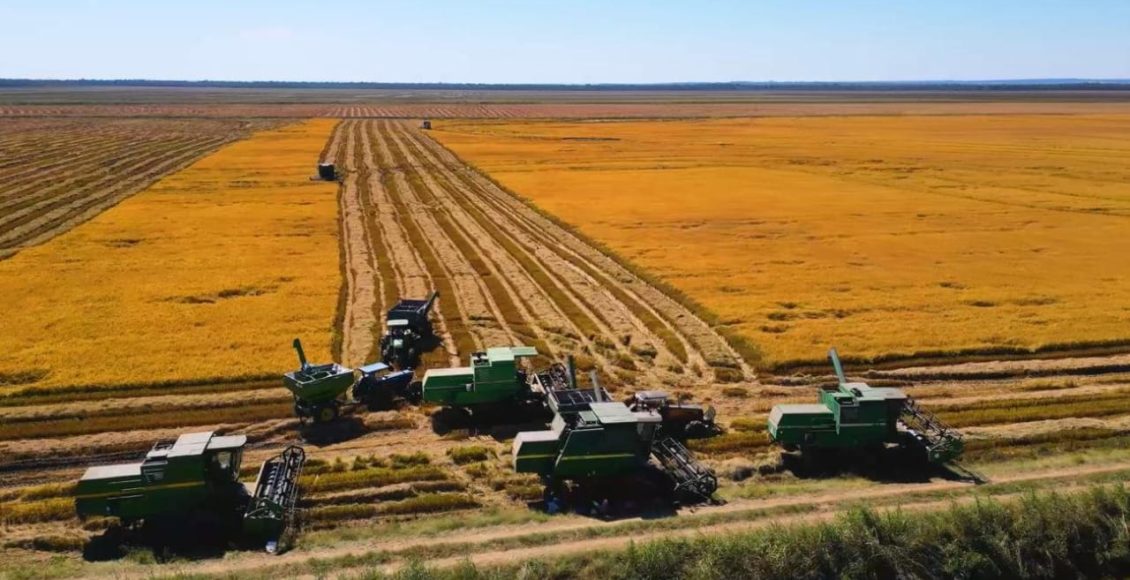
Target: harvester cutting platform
<point x="319" y="390"/>
<point x="859" y="416"/>
<point x="196" y="480"/>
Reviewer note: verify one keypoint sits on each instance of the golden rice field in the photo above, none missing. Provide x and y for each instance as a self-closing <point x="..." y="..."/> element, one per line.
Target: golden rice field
<point x="208" y="273"/>
<point x="882" y="235"/>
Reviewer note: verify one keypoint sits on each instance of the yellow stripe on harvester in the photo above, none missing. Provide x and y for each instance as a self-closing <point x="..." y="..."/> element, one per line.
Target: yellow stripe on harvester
<point x="607" y="456"/>
<point x="139" y="489"/>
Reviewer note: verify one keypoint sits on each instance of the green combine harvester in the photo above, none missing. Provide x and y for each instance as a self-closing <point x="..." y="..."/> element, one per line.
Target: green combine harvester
<point x="320" y="389"/>
<point x="593" y="439"/>
<point x="494" y="377"/>
<point x="859" y="416"/>
<point x="195" y="480"/>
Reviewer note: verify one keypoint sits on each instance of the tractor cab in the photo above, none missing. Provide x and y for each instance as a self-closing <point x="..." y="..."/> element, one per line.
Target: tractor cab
<point x="679" y="419"/>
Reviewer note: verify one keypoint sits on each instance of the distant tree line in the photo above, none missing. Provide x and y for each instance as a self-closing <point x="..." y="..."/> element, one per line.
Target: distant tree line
<point x="990" y="85"/>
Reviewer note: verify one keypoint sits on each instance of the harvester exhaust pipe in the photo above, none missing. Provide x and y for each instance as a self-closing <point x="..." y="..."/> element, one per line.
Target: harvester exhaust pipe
<point x="301" y="354"/>
<point x="836" y="364"/>
<point x="570" y="371"/>
<point x="596" y="390"/>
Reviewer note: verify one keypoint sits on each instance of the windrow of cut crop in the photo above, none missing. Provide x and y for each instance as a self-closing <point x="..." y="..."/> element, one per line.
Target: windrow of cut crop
<point x="455" y="320"/>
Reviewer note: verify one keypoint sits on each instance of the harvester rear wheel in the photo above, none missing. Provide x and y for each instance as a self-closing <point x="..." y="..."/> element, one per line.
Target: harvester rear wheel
<point x="326" y="413"/>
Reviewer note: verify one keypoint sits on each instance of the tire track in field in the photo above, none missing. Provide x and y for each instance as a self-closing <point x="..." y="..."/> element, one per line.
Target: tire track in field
<point x="413" y="277"/>
<point x="487" y="320"/>
<point x="619" y="318"/>
<point x="409" y="213"/>
<point x="703" y="344"/>
<point x="358" y="322"/>
<point x="539" y="309"/>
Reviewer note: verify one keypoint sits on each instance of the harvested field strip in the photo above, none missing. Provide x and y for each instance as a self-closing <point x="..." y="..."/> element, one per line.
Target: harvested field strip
<point x="574" y="304"/>
<point x="515" y="319"/>
<point x="360" y="320"/>
<point x="58" y="183"/>
<point x="234" y="414"/>
<point x="591" y="320"/>
<point x="572" y="308"/>
<point x="479" y="312"/>
<point x="598" y="266"/>
<point x="421" y="504"/>
<point x="403" y="258"/>
<point x="372" y="477"/>
<point x="455" y="321"/>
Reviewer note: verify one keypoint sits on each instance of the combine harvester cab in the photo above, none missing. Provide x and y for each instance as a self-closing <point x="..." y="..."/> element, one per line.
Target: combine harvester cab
<point x="495" y="376"/>
<point x="196" y="478"/>
<point x="319" y="390"/>
<point x="409" y="329"/>
<point x="859" y="416"/>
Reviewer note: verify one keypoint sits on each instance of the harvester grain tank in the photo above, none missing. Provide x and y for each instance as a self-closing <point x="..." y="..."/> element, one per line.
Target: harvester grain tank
<point x="408" y="330"/>
<point x="859" y="416"/>
<point x="494" y="376"/>
<point x="320" y="389"/>
<point x="196" y="478"/>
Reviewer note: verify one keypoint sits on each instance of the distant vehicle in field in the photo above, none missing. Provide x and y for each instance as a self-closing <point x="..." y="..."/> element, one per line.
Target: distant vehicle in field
<point x="194" y="482"/>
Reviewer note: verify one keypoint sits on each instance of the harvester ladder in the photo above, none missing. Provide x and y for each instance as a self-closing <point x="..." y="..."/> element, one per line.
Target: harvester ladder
<point x="689" y="475"/>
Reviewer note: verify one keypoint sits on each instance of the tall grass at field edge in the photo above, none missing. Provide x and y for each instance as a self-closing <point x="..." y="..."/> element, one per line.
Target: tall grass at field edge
<point x="1038" y="536"/>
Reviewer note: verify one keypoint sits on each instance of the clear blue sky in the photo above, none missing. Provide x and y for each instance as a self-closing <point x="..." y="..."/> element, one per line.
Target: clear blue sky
<point x="573" y="42"/>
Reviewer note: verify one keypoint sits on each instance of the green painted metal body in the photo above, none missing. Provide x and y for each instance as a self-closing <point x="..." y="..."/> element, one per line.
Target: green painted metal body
<point x="857" y="415"/>
<point x="198" y="470"/>
<point x="197" y="473"/>
<point x="606" y="439"/>
<point x="494" y="376"/>
<point x="316" y="384"/>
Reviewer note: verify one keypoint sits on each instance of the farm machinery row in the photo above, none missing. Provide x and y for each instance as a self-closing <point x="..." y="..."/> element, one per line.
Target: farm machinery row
<point x="590" y="436"/>
<point x="588" y="440"/>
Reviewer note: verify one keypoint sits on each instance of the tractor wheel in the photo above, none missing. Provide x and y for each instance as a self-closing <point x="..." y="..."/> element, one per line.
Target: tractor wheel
<point x="696" y="430"/>
<point x="326" y="413"/>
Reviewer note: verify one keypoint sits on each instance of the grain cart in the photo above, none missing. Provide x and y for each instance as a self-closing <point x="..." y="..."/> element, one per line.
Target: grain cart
<point x="592" y="438"/>
<point x="319" y="390"/>
<point x="859" y="416"/>
<point x="327" y="172"/>
<point x="408" y="329"/>
<point x="680" y="420"/>
<point x="195" y="480"/>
